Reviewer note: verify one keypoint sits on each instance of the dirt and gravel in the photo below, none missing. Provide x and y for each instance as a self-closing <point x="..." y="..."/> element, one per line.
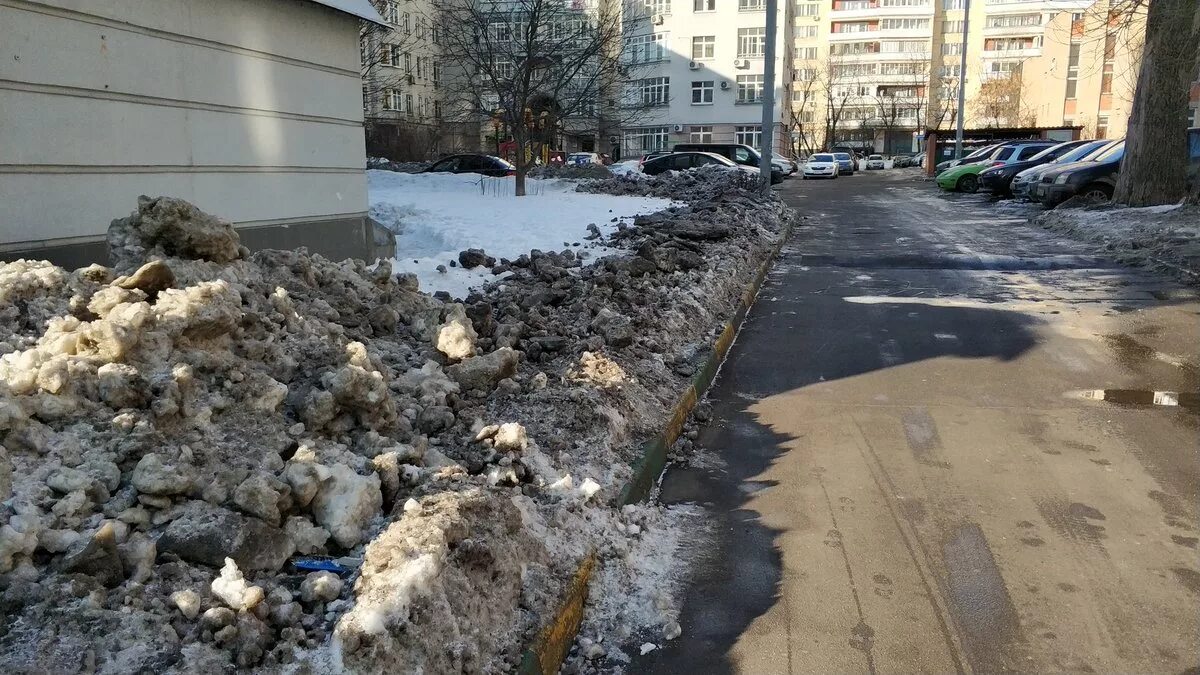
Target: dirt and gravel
<point x="185" y="434"/>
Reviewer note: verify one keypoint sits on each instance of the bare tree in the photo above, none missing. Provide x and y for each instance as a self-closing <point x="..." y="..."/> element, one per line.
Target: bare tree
<point x="831" y="75"/>
<point x="532" y="68"/>
<point x="1001" y="102"/>
<point x="802" y="116"/>
<point x="1153" y="170"/>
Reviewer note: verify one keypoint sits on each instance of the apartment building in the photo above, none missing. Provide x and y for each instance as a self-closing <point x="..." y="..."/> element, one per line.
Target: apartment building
<point x="876" y="73"/>
<point x="700" y="69"/>
<point x="402" y="73"/>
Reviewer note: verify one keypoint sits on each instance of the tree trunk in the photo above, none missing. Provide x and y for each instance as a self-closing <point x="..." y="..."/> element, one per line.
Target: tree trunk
<point x="521" y="165"/>
<point x="1154" y="170"/>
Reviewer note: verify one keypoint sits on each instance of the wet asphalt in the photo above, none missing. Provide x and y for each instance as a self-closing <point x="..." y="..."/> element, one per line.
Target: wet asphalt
<point x="913" y="466"/>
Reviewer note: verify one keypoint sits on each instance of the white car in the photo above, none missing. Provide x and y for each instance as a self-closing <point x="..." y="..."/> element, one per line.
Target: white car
<point x="875" y="162"/>
<point x="783" y="165"/>
<point x="821" y="165"/>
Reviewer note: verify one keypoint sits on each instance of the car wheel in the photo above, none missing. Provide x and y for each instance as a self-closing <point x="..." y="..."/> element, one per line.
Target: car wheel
<point x="967" y="183"/>
<point x="1097" y="191"/>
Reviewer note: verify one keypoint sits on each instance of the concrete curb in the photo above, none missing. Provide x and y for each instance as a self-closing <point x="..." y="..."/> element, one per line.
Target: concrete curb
<point x="553" y="642"/>
<point x="550" y="647"/>
<point x="653" y="458"/>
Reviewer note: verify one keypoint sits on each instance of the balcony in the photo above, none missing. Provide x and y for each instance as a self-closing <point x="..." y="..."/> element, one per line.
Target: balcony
<point x="1013" y="31"/>
<point x="881" y="12"/>
<point x="883" y="56"/>
<point x="1011" y="53"/>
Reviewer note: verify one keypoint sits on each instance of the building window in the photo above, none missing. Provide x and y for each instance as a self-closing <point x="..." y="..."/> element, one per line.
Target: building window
<point x="392" y="55"/>
<point x="1072" y="70"/>
<point x="437" y="74"/>
<point x="807" y="53"/>
<point x="1014" y="20"/>
<point x="749" y="88"/>
<point x="655" y="90"/>
<point x="904" y="24"/>
<point x="848" y="5"/>
<point x="647" y="48"/>
<point x="806" y="32"/>
<point x="804" y="74"/>
<point x="435" y="34"/>
<point x="645" y="139"/>
<point x="408" y="104"/>
<point x="437" y="109"/>
<point x="807" y="9"/>
<point x="392" y="99"/>
<point x="903" y="68"/>
<point x="950" y="71"/>
<point x="704" y="47"/>
<point x="841" y="48"/>
<point x="952" y="4"/>
<point x="750" y="41"/>
<point x="954" y="27"/>
<point x="751" y="5"/>
<point x="702" y="92"/>
<point x="407" y="63"/>
<point x="1102" y="126"/>
<point x="391" y="12"/>
<point x="404" y="25"/>
<point x="700" y="134"/>
<point x="903" y="46"/>
<point x="658" y="6"/>
<point x="951" y="48"/>
<point x="704" y="6"/>
<point x="748" y="135"/>
<point x="850" y="27"/>
<point x="904" y="3"/>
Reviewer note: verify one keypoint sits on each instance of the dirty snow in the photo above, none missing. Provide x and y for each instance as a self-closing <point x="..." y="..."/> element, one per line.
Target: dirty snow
<point x="434" y="216"/>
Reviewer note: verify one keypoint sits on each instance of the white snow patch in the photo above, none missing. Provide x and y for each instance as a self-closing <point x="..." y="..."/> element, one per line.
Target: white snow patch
<point x="434" y="216"/>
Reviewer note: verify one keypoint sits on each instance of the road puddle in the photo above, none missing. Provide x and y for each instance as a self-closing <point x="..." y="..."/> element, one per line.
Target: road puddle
<point x="1190" y="400"/>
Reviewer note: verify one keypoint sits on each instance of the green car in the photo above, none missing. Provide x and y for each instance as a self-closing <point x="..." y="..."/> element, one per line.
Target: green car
<point x="963" y="178"/>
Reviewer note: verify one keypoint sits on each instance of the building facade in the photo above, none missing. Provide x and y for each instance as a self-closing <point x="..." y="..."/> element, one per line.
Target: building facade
<point x="700" y="66"/>
<point x="247" y="108"/>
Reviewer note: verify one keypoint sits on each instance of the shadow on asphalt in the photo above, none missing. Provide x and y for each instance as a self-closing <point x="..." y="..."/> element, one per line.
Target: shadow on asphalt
<point x="802" y="331"/>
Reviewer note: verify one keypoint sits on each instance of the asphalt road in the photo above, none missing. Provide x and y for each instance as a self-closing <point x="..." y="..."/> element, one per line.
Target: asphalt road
<point x="938" y="449"/>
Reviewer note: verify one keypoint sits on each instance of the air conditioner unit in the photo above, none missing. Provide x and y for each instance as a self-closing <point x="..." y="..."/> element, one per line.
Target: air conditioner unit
<point x="657" y="19"/>
<point x="695" y="65"/>
<point x="725" y="85"/>
<point x="741" y="63"/>
<point x="678" y="128"/>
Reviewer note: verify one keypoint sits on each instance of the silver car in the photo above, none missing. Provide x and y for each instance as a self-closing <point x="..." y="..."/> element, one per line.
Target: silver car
<point x="1025" y="180"/>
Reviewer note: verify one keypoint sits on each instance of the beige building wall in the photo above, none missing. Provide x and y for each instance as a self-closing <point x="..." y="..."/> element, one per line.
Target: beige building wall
<point x="251" y="109"/>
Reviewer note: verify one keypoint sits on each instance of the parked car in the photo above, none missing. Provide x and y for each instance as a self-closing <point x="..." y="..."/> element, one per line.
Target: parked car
<point x="1026" y="178"/>
<point x="585" y="158"/>
<point x="974" y="156"/>
<point x="874" y="162"/>
<point x="737" y="152"/>
<point x="652" y="155"/>
<point x="918" y="160"/>
<point x="481" y="164"/>
<point x="996" y="179"/>
<point x="1093" y="178"/>
<point x="820" y="165"/>
<point x="846" y="165"/>
<point x="965" y="177"/>
<point x="783" y="165"/>
<point x="682" y="161"/>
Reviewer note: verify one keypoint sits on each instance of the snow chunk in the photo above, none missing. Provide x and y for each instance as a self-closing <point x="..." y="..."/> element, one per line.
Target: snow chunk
<point x="232" y="589"/>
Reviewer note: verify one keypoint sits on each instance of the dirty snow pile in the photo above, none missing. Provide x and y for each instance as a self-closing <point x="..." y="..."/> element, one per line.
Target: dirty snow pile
<point x="436" y="216"/>
<point x="181" y="432"/>
<point x="1159" y="237"/>
<point x="570" y="171"/>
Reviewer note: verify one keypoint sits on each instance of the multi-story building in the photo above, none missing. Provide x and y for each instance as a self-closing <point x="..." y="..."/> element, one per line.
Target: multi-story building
<point x="875" y="73"/>
<point x="401" y="77"/>
<point x="699" y="72"/>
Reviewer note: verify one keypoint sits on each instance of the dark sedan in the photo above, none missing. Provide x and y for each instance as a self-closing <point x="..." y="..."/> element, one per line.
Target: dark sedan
<point x="997" y="179"/>
<point x="1094" y="178"/>
<point x="481" y="164"/>
<point x="682" y="161"/>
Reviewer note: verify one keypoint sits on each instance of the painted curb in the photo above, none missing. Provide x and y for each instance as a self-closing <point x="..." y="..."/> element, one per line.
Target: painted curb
<point x="653" y="457"/>
<point x="550" y="647"/>
<point x="553" y="642"/>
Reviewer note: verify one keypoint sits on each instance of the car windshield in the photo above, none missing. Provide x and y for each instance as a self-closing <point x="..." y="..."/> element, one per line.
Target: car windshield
<point x="981" y="152"/>
<point x="1052" y="151"/>
<point x="842" y="155"/>
<point x="503" y="163"/>
<point x="1082" y="152"/>
<point x="1111" y="154"/>
<point x="821" y="158"/>
<point x="875" y="157"/>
